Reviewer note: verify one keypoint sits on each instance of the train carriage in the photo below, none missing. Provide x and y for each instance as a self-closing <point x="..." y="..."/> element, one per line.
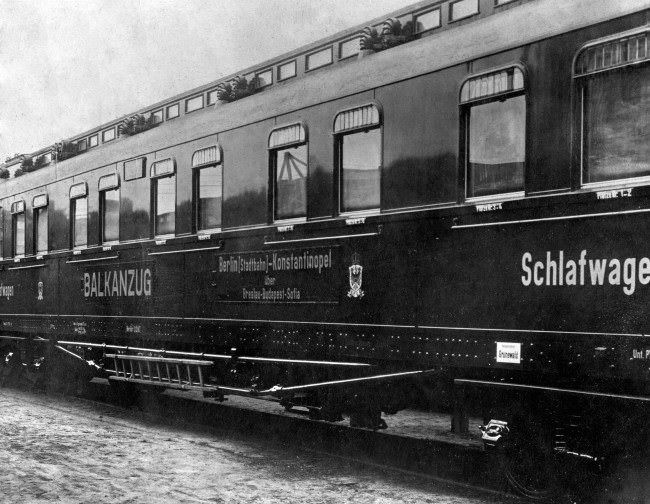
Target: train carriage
<point x="457" y="212"/>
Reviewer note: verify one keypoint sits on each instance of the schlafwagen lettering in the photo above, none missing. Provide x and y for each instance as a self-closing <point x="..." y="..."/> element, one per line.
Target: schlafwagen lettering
<point x="118" y="283"/>
<point x="624" y="272"/>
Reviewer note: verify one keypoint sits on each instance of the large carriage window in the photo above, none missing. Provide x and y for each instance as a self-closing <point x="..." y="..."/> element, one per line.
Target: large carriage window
<point x="208" y="188"/>
<point x="613" y="80"/>
<point x="358" y="136"/>
<point x="18" y="227"/>
<point x="79" y="215"/>
<point x="163" y="175"/>
<point x="109" y="208"/>
<point x="289" y="169"/>
<point x="494" y="112"/>
<point x="39" y="204"/>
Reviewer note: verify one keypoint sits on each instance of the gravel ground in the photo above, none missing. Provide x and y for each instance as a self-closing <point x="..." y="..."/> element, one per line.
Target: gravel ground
<point x="61" y="449"/>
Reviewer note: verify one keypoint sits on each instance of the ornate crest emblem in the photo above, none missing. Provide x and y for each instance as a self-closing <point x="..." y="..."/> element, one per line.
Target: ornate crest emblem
<point x="40" y="291"/>
<point x="356" y="277"/>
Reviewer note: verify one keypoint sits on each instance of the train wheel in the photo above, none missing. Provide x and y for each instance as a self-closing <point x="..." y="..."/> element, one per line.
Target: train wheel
<point x="530" y="463"/>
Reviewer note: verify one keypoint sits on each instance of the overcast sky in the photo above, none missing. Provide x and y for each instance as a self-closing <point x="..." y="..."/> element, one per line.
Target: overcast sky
<point x="67" y="66"/>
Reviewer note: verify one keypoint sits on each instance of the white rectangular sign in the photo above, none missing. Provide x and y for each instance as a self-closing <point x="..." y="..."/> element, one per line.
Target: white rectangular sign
<point x="509" y="353"/>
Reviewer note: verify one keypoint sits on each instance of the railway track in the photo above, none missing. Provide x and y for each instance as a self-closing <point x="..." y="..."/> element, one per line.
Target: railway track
<point x="451" y="461"/>
<point x="289" y="431"/>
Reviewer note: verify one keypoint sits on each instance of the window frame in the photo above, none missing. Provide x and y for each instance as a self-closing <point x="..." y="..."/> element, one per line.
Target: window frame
<point x="114" y="185"/>
<point x="170" y="106"/>
<point x="347" y="41"/>
<point x="191" y="98"/>
<point x="580" y="109"/>
<point x="109" y="130"/>
<point x="209" y="94"/>
<point x="196" y="174"/>
<point x="162" y="116"/>
<point x="36" y="207"/>
<point x="321" y="50"/>
<point x="93" y="141"/>
<point x="270" y="72"/>
<point x="73" y="202"/>
<point x="18" y="208"/>
<point x="273" y="171"/>
<point x="338" y="152"/>
<point x="154" y="197"/>
<point x="295" y="70"/>
<point x="466" y="16"/>
<point x="143" y="168"/>
<point x="424" y="13"/>
<point x="465" y="108"/>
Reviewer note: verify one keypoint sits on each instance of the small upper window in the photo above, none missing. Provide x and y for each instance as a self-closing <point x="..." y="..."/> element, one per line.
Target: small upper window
<point x="462" y="8"/>
<point x="82" y="145"/>
<point x="195" y="103"/>
<point x="79" y="215"/>
<point x="39" y="205"/>
<point x="289" y="171"/>
<point x="40" y="201"/>
<point x="93" y="141"/>
<point x="208" y="187"/>
<point x="157" y="116"/>
<point x="264" y="78"/>
<point x="613" y="81"/>
<point x="212" y="97"/>
<point x="287" y="70"/>
<point x="494" y="114"/>
<point x="18" y="227"/>
<point x="349" y="48"/>
<point x="108" y="135"/>
<point x="427" y="21"/>
<point x="135" y="168"/>
<point x="358" y="140"/>
<point x="319" y="59"/>
<point x="173" y="111"/>
<point x="163" y="184"/>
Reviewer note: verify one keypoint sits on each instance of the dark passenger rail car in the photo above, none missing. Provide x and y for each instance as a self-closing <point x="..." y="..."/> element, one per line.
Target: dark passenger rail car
<point x="454" y="214"/>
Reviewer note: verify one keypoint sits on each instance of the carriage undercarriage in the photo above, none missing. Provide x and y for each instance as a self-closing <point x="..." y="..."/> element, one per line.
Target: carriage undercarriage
<point x="540" y="445"/>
